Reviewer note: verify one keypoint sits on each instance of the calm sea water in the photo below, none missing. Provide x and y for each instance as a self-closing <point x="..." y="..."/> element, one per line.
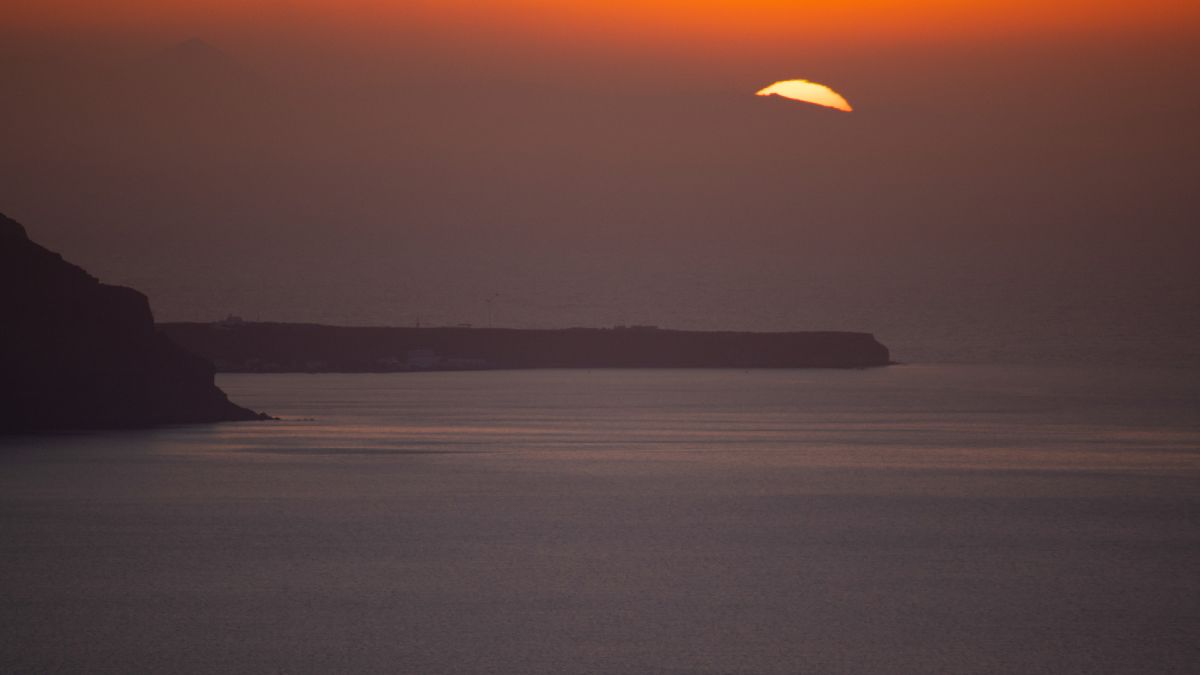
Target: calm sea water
<point x="912" y="519"/>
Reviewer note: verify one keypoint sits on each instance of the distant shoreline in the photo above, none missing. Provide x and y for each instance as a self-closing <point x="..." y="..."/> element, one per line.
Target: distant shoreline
<point x="236" y="346"/>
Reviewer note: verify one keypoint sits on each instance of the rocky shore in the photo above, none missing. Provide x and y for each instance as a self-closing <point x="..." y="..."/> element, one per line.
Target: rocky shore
<point x="79" y="354"/>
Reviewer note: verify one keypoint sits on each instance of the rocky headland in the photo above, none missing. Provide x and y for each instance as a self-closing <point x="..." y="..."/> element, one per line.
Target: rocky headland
<point x="79" y="354"/>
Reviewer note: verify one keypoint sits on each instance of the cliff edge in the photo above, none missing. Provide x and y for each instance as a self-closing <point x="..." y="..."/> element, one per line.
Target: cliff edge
<point x="79" y="354"/>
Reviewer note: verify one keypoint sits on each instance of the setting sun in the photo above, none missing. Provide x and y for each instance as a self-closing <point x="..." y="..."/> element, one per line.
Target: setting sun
<point x="807" y="92"/>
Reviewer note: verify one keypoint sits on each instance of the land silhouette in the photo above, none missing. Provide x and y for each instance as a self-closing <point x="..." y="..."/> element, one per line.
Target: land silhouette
<point x="80" y="354"/>
<point x="239" y="346"/>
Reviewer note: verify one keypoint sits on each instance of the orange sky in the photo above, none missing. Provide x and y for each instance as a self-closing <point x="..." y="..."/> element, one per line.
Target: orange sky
<point x="770" y="22"/>
<point x="404" y="143"/>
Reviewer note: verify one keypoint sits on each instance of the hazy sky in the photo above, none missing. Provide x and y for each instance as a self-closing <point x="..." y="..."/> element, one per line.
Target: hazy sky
<point x="315" y="140"/>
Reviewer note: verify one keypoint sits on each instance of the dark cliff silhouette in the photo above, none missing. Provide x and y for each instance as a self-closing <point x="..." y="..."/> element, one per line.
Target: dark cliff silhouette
<point x="79" y="354"/>
<point x="236" y="346"/>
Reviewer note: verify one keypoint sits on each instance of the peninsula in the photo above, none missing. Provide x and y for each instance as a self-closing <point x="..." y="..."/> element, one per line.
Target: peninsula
<point x="240" y="346"/>
<point x="79" y="354"/>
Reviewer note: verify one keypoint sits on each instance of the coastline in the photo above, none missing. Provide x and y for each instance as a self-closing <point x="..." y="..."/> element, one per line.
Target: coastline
<point x="244" y="347"/>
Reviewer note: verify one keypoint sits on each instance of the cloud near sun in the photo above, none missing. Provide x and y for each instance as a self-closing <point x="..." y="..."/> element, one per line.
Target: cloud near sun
<point x="807" y="92"/>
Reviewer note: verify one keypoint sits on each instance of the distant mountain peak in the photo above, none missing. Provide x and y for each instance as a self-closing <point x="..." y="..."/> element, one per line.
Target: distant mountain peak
<point x="194" y="43"/>
<point x="192" y="64"/>
<point x="195" y="52"/>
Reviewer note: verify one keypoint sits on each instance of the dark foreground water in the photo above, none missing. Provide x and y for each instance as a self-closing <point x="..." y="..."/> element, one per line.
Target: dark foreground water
<point x="905" y="520"/>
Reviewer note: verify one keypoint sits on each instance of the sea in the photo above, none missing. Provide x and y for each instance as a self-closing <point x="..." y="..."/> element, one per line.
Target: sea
<point x="918" y="518"/>
<point x="1019" y="494"/>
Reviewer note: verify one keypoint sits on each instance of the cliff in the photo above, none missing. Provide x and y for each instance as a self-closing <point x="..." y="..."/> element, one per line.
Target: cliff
<point x="79" y="354"/>
<point x="277" y="347"/>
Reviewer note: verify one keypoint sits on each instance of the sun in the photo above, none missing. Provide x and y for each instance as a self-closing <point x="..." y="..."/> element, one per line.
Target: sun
<point x="807" y="92"/>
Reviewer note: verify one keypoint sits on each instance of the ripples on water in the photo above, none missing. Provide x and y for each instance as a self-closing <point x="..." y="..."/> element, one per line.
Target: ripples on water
<point x="907" y="519"/>
<point x="924" y="414"/>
